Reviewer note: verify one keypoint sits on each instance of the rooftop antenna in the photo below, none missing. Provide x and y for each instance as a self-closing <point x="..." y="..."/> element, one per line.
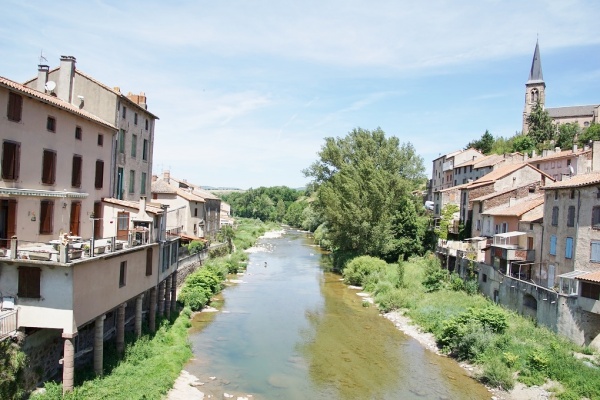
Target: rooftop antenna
<point x="42" y="58"/>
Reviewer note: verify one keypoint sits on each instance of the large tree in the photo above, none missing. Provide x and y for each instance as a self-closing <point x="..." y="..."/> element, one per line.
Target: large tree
<point x="363" y="181"/>
<point x="540" y="126"/>
<point x="484" y="144"/>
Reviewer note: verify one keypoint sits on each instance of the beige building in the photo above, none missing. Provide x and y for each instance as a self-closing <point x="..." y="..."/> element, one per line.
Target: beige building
<point x="133" y="145"/>
<point x="563" y="163"/>
<point x="55" y="165"/>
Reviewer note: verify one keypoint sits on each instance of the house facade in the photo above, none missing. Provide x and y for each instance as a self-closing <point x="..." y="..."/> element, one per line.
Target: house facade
<point x="133" y="144"/>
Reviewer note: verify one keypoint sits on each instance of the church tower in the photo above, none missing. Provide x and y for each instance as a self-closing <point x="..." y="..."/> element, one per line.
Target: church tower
<point x="535" y="88"/>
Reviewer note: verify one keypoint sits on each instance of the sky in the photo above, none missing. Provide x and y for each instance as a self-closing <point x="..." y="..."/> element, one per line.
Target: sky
<point x="247" y="91"/>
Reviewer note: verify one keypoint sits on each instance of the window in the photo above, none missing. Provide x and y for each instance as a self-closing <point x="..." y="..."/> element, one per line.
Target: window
<point x="46" y="216"/>
<point x="49" y="167"/>
<point x="555" y="216"/>
<point x="590" y="290"/>
<point x="148" y="262"/>
<point x="166" y="258"/>
<point x="78" y="133"/>
<point x="123" y="274"/>
<point x="100" y="140"/>
<point x="99" y="176"/>
<point x="29" y="282"/>
<point x="124" y="112"/>
<point x="11" y="155"/>
<point x="174" y="253"/>
<point x="595" y="251"/>
<point x="569" y="247"/>
<point x="480" y="207"/>
<point x="15" y="107"/>
<point x="133" y="145"/>
<point x="596" y="217"/>
<point x="553" y="245"/>
<point x="504" y="227"/>
<point x="135" y="116"/>
<point x="122" y="141"/>
<point x="51" y="124"/>
<point x="76" y="172"/>
<point x="146" y="123"/>
<point x="478" y="225"/>
<point x="131" y="181"/>
<point x="145" y="150"/>
<point x="556" y="195"/>
<point x="572" y="194"/>
<point x="195" y="212"/>
<point x="571" y="216"/>
<point x="538" y="166"/>
<point x="484" y="278"/>
<point x="143" y="184"/>
<point x="568" y="162"/>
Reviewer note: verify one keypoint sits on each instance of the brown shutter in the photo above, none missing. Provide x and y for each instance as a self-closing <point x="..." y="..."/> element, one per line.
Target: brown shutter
<point x="49" y="165"/>
<point x="10" y="160"/>
<point x="75" y="218"/>
<point x="99" y="174"/>
<point x="29" y="282"/>
<point x="11" y="222"/>
<point x="76" y="173"/>
<point x="46" y="215"/>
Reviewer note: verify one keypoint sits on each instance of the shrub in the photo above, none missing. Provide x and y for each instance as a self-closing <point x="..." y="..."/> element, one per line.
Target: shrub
<point x="497" y="374"/>
<point x="434" y="280"/>
<point x="456" y="283"/>
<point x="471" y="287"/>
<point x="395" y="299"/>
<point x="359" y="269"/>
<point x="195" y="246"/>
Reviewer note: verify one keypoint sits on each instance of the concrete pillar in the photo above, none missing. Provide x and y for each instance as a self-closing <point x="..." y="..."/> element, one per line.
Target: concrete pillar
<point x="121" y="329"/>
<point x="99" y="345"/>
<point x="168" y="297"/>
<point x="138" y="315"/>
<point x="68" y="362"/>
<point x="161" y="299"/>
<point x="152" y="310"/>
<point x="174" y="292"/>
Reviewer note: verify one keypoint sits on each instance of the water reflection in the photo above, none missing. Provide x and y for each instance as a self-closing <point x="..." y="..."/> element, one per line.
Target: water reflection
<point x="293" y="331"/>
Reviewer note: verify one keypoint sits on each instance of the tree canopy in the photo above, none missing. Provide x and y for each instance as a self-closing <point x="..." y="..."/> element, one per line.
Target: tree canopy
<point x="364" y="194"/>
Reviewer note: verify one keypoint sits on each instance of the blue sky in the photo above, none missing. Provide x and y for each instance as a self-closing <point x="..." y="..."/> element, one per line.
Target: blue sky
<point x="246" y="91"/>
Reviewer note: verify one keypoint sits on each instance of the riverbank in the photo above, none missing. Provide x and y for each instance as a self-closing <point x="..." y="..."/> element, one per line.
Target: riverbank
<point x="427" y="340"/>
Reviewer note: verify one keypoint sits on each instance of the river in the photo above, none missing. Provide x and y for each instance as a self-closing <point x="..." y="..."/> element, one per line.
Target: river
<point x="292" y="330"/>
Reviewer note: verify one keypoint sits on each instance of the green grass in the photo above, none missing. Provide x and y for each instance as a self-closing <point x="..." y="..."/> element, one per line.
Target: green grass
<point x="150" y="366"/>
<point x="531" y="353"/>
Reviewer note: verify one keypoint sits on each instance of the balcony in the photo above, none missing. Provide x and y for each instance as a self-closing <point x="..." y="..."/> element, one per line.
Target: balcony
<point x="448" y="165"/>
<point x="8" y="317"/>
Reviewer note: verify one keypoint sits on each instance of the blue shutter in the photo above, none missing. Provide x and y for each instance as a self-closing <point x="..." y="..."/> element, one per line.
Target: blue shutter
<point x="553" y="245"/>
<point x="595" y="252"/>
<point x="569" y="248"/>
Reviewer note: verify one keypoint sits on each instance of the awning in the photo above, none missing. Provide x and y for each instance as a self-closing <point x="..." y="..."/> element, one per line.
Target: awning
<point x="191" y="237"/>
<point x="42" y="193"/>
<point x="510" y="234"/>
<point x="572" y="274"/>
<point x="590" y="277"/>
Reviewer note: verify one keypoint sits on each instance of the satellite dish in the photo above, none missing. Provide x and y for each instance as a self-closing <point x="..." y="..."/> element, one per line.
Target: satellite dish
<point x="50" y="86"/>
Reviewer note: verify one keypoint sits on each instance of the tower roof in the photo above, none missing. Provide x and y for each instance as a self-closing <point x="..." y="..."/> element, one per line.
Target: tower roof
<point x="535" y="75"/>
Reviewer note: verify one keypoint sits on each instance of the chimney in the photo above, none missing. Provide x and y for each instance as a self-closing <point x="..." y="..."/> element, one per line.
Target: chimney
<point x="66" y="74"/>
<point x="154" y="178"/>
<point x="42" y="78"/>
<point x="167" y="176"/>
<point x="544" y="153"/>
<point x="142" y="216"/>
<point x="533" y="154"/>
<point x="557" y="149"/>
<point x="574" y="148"/>
<point x="139" y="99"/>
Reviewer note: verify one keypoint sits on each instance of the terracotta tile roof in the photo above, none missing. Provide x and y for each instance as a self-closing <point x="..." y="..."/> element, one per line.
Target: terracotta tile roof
<point x="454" y="187"/>
<point x="560" y="154"/>
<point x="575" y="181"/>
<point x="161" y="186"/>
<point x="150" y="208"/>
<point x="499" y="193"/>
<point x="590" y="277"/>
<point x="518" y="208"/>
<point x="503" y="171"/>
<point x="197" y="190"/>
<point x="53" y="101"/>
<point x="489" y="161"/>
<point x="189" y="196"/>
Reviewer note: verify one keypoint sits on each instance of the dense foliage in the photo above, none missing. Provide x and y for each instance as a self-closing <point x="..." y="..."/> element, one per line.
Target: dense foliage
<point x="264" y="203"/>
<point x="505" y="346"/>
<point x="364" y="183"/>
<point x="542" y="134"/>
<point x="12" y="362"/>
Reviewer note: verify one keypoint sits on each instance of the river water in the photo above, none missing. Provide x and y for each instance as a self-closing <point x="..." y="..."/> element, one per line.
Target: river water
<point x="291" y="330"/>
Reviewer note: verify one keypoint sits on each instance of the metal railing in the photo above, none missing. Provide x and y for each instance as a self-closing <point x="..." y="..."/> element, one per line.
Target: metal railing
<point x="8" y="323"/>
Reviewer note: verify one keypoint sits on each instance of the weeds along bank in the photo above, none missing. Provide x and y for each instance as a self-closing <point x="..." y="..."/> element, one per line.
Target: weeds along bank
<point x="504" y="346"/>
<point x="152" y="363"/>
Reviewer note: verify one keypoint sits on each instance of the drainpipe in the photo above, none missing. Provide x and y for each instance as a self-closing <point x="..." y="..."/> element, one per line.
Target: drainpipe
<point x="574" y="250"/>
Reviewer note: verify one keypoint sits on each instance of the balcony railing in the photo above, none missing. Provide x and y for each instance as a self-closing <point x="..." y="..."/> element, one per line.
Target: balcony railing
<point x="8" y="323"/>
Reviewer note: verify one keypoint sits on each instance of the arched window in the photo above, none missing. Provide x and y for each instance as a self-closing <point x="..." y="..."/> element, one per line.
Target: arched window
<point x="534" y="95"/>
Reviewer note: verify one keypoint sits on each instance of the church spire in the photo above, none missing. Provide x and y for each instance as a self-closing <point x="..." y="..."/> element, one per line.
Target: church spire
<point x="535" y="75"/>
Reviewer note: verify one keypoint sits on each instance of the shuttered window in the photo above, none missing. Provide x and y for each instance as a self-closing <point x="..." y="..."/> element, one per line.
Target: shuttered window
<point x="99" y="177"/>
<point x="553" y="245"/>
<point x="571" y="216"/>
<point x="76" y="173"/>
<point x="49" y="167"/>
<point x="555" y="216"/>
<point x="11" y="155"/>
<point x="569" y="247"/>
<point x="596" y="217"/>
<point x="46" y="216"/>
<point x="15" y="107"/>
<point x="29" y="282"/>
<point x="595" y="250"/>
